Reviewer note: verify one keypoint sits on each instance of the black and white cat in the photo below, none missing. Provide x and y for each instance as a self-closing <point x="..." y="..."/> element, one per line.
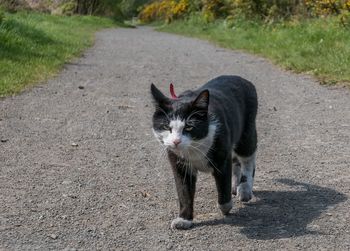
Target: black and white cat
<point x="211" y="129"/>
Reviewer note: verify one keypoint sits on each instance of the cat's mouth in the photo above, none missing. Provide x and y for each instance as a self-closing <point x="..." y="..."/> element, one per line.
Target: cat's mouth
<point x="179" y="150"/>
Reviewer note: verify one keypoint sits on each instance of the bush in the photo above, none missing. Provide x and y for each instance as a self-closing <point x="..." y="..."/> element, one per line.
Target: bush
<point x="130" y="8"/>
<point x="118" y="9"/>
<point x="213" y="9"/>
<point x="165" y="10"/>
<point x="2" y="15"/>
<point x="322" y="7"/>
<point x="267" y="10"/>
<point x="319" y="8"/>
<point x="344" y="19"/>
<point x="65" y="8"/>
<point x="14" y="5"/>
<point x="68" y="8"/>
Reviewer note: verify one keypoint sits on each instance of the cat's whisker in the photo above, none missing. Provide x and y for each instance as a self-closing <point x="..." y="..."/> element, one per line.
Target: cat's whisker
<point x="161" y="109"/>
<point x="149" y="141"/>
<point x="163" y="160"/>
<point x="193" y="120"/>
<point x="191" y="168"/>
<point x="184" y="166"/>
<point x="201" y="160"/>
<point x="161" y="156"/>
<point x="225" y="106"/>
<point x="198" y="145"/>
<point x="193" y="113"/>
<point x="205" y="156"/>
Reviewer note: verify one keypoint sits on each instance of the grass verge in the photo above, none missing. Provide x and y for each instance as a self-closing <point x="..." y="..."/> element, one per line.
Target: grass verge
<point x="34" y="46"/>
<point x="318" y="46"/>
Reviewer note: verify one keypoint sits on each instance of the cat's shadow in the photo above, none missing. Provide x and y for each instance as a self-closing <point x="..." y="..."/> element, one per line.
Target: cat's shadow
<point x="281" y="214"/>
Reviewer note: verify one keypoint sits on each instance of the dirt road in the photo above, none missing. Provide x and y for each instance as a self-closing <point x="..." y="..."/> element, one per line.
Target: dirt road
<point x="81" y="170"/>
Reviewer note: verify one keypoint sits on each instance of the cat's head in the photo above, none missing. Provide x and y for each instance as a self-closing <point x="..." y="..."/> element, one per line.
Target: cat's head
<point x="180" y="123"/>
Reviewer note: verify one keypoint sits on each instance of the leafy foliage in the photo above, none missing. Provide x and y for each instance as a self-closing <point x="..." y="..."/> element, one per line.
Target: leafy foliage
<point x="164" y="10"/>
<point x="213" y="9"/>
<point x="2" y="15"/>
<point x="327" y="7"/>
<point x="13" y="5"/>
<point x="267" y="10"/>
<point x="116" y="8"/>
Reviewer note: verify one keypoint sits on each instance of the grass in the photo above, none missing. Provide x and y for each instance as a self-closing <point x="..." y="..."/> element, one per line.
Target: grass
<point x="317" y="46"/>
<point x="34" y="46"/>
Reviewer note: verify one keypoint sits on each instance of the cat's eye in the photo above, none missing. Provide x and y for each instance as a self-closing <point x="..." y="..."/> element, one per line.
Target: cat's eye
<point x="166" y="127"/>
<point x="188" y="128"/>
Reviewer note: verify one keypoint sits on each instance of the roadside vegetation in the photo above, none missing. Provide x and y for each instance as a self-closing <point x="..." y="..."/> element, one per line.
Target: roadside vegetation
<point x="38" y="36"/>
<point x="34" y="46"/>
<point x="311" y="36"/>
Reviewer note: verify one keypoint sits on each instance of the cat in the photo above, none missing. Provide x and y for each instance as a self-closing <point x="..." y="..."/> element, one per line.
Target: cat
<point x="211" y="129"/>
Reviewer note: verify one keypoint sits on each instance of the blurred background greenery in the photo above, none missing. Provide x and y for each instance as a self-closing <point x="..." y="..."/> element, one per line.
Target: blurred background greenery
<point x="38" y="36"/>
<point x="169" y="10"/>
<point x="268" y="11"/>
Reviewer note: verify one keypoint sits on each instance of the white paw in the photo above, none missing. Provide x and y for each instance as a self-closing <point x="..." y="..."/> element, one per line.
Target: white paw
<point x="225" y="208"/>
<point x="244" y="192"/>
<point x="181" y="223"/>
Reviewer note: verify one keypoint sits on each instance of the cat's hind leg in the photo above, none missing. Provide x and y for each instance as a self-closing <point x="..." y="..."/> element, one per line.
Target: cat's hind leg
<point x="236" y="174"/>
<point x="246" y="153"/>
<point x="245" y="187"/>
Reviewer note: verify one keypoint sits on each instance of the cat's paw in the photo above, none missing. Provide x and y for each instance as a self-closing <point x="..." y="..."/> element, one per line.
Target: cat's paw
<point x="244" y="192"/>
<point x="181" y="223"/>
<point x="225" y="208"/>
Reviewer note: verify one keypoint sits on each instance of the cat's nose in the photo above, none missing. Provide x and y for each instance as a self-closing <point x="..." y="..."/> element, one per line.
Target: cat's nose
<point x="177" y="141"/>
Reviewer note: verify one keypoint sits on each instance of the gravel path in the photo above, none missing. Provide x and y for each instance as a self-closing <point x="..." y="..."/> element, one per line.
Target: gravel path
<point x="81" y="170"/>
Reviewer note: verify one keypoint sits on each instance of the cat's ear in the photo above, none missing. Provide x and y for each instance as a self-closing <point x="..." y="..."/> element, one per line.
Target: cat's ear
<point x="159" y="97"/>
<point x="202" y="101"/>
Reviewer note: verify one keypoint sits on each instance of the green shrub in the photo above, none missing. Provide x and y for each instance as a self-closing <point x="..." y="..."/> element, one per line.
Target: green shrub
<point x="14" y="5"/>
<point x="130" y="8"/>
<point x="65" y="8"/>
<point x="266" y="10"/>
<point x="325" y="7"/>
<point x="213" y="9"/>
<point x="2" y="15"/>
<point x="165" y="10"/>
<point x="344" y="19"/>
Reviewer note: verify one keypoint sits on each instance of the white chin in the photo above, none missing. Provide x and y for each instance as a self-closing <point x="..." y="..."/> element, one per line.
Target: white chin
<point x="177" y="151"/>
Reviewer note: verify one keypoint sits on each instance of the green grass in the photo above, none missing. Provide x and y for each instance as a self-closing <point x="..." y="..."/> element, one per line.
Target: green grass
<point x="318" y="46"/>
<point x="34" y="46"/>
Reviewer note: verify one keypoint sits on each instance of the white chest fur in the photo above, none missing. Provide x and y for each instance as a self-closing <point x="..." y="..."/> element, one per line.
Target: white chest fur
<point x="197" y="152"/>
<point x="199" y="163"/>
<point x="193" y="151"/>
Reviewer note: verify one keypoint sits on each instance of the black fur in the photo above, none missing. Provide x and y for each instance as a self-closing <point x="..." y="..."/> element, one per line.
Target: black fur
<point x="243" y="179"/>
<point x="232" y="102"/>
<point x="167" y="108"/>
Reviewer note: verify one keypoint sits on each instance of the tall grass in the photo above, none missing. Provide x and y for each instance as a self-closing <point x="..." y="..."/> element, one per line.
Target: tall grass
<point x="317" y="46"/>
<point x="34" y="46"/>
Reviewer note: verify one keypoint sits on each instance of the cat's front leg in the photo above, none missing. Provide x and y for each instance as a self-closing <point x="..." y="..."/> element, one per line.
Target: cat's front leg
<point x="185" y="180"/>
<point x="223" y="179"/>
